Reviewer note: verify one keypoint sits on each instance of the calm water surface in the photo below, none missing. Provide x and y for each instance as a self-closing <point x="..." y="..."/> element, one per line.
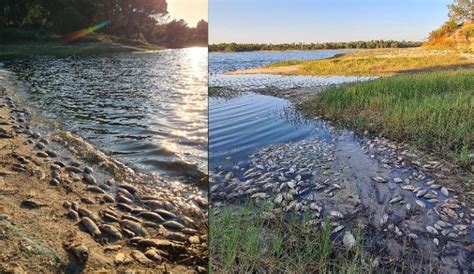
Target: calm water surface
<point x="147" y="109"/>
<point x="241" y="125"/>
<point x="220" y="62"/>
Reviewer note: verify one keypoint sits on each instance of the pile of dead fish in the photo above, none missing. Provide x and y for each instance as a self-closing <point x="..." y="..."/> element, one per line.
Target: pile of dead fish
<point x="160" y="223"/>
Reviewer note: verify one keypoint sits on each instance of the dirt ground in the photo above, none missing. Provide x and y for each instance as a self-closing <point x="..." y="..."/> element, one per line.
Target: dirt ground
<point x="60" y="213"/>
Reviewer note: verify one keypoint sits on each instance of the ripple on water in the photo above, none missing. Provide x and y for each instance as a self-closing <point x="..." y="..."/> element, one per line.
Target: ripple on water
<point x="147" y="109"/>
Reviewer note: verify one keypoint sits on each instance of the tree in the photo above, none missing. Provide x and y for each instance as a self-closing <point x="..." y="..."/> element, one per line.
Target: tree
<point x="461" y="11"/>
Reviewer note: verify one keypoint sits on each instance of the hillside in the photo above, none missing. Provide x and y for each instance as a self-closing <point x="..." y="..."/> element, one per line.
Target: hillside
<point x="451" y="35"/>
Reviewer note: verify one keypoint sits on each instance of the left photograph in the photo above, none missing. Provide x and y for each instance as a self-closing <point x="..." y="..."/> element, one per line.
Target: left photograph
<point x="103" y="136"/>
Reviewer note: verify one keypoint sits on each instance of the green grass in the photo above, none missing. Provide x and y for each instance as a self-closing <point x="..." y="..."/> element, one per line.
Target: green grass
<point x="243" y="240"/>
<point x="432" y="110"/>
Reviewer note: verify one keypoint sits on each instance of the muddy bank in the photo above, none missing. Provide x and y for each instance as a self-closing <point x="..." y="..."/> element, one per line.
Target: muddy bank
<point x="66" y="207"/>
<point x="416" y="207"/>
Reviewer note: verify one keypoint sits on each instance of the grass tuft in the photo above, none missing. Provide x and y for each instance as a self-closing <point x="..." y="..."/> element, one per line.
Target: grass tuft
<point x="432" y="110"/>
<point x="243" y="239"/>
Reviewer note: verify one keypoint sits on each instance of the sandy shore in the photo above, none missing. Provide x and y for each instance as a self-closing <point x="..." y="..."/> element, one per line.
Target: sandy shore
<point x="66" y="207"/>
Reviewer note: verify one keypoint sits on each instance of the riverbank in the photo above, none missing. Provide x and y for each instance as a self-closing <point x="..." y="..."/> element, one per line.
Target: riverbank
<point x="374" y="62"/>
<point x="417" y="208"/>
<point x="65" y="206"/>
<point x="95" y="44"/>
<point x="431" y="110"/>
<point x="416" y="203"/>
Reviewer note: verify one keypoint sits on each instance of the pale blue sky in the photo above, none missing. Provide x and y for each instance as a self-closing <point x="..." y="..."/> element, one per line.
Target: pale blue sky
<point x="279" y="21"/>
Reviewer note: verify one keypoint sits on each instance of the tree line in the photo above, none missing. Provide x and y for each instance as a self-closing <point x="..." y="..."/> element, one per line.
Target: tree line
<point x="145" y="20"/>
<point x="373" y="44"/>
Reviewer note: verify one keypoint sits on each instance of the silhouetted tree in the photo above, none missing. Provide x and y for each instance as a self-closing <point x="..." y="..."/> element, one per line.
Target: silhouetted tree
<point x="461" y="11"/>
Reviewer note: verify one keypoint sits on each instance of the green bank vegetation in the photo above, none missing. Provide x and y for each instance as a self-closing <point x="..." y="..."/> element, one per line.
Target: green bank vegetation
<point x="433" y="110"/>
<point x="140" y="21"/>
<point x="373" y="44"/>
<point x="380" y="62"/>
<point x="243" y="240"/>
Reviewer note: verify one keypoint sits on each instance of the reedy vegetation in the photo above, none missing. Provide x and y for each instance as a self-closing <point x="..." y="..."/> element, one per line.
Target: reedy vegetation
<point x="243" y="240"/>
<point x="432" y="110"/>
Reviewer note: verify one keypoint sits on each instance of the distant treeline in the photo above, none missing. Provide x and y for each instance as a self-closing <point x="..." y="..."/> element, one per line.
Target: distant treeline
<point x="145" y="20"/>
<point x="373" y="44"/>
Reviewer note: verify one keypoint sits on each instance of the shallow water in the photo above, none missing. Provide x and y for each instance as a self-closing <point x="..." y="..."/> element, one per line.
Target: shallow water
<point x="221" y="62"/>
<point x="241" y="125"/>
<point x="263" y="81"/>
<point x="146" y="109"/>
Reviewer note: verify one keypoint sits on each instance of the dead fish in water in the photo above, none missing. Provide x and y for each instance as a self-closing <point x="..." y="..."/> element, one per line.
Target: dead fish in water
<point x="384" y="219"/>
<point x="420" y="204"/>
<point x="421" y="193"/>
<point x="445" y="191"/>
<point x="395" y="200"/>
<point x="379" y="179"/>
<point x="408" y="187"/>
<point x="432" y="230"/>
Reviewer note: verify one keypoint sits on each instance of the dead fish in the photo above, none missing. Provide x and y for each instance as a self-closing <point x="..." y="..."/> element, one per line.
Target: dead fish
<point x="111" y="230"/>
<point x="384" y="219"/>
<point x="173" y="225"/>
<point x="124" y="207"/>
<point x="445" y="191"/>
<point x="408" y="187"/>
<point x="379" y="179"/>
<point x="128" y="187"/>
<point x="432" y="230"/>
<point x="151" y="216"/>
<point x="108" y="199"/>
<point x="84" y="212"/>
<point x="134" y="227"/>
<point x="89" y="226"/>
<point x="73" y="215"/>
<point x="420" y="204"/>
<point x="336" y="214"/>
<point x="398" y="180"/>
<point x="421" y="193"/>
<point x="338" y="229"/>
<point x="31" y="204"/>
<point x="95" y="189"/>
<point x="122" y="199"/>
<point x="395" y="200"/>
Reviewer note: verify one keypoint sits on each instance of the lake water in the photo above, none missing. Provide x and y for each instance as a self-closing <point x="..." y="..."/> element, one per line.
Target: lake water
<point x="220" y="62"/>
<point x="241" y="125"/>
<point x="148" y="110"/>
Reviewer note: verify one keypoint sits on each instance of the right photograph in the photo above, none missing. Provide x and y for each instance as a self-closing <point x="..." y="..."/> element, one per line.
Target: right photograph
<point x="341" y="136"/>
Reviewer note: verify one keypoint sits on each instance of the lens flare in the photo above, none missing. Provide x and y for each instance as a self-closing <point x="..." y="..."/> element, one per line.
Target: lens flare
<point x="83" y="32"/>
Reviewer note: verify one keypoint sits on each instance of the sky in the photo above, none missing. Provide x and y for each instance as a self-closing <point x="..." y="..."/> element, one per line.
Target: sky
<point x="280" y="21"/>
<point x="192" y="11"/>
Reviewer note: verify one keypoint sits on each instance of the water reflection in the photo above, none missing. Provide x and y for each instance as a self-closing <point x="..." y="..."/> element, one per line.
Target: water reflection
<point x="147" y="109"/>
